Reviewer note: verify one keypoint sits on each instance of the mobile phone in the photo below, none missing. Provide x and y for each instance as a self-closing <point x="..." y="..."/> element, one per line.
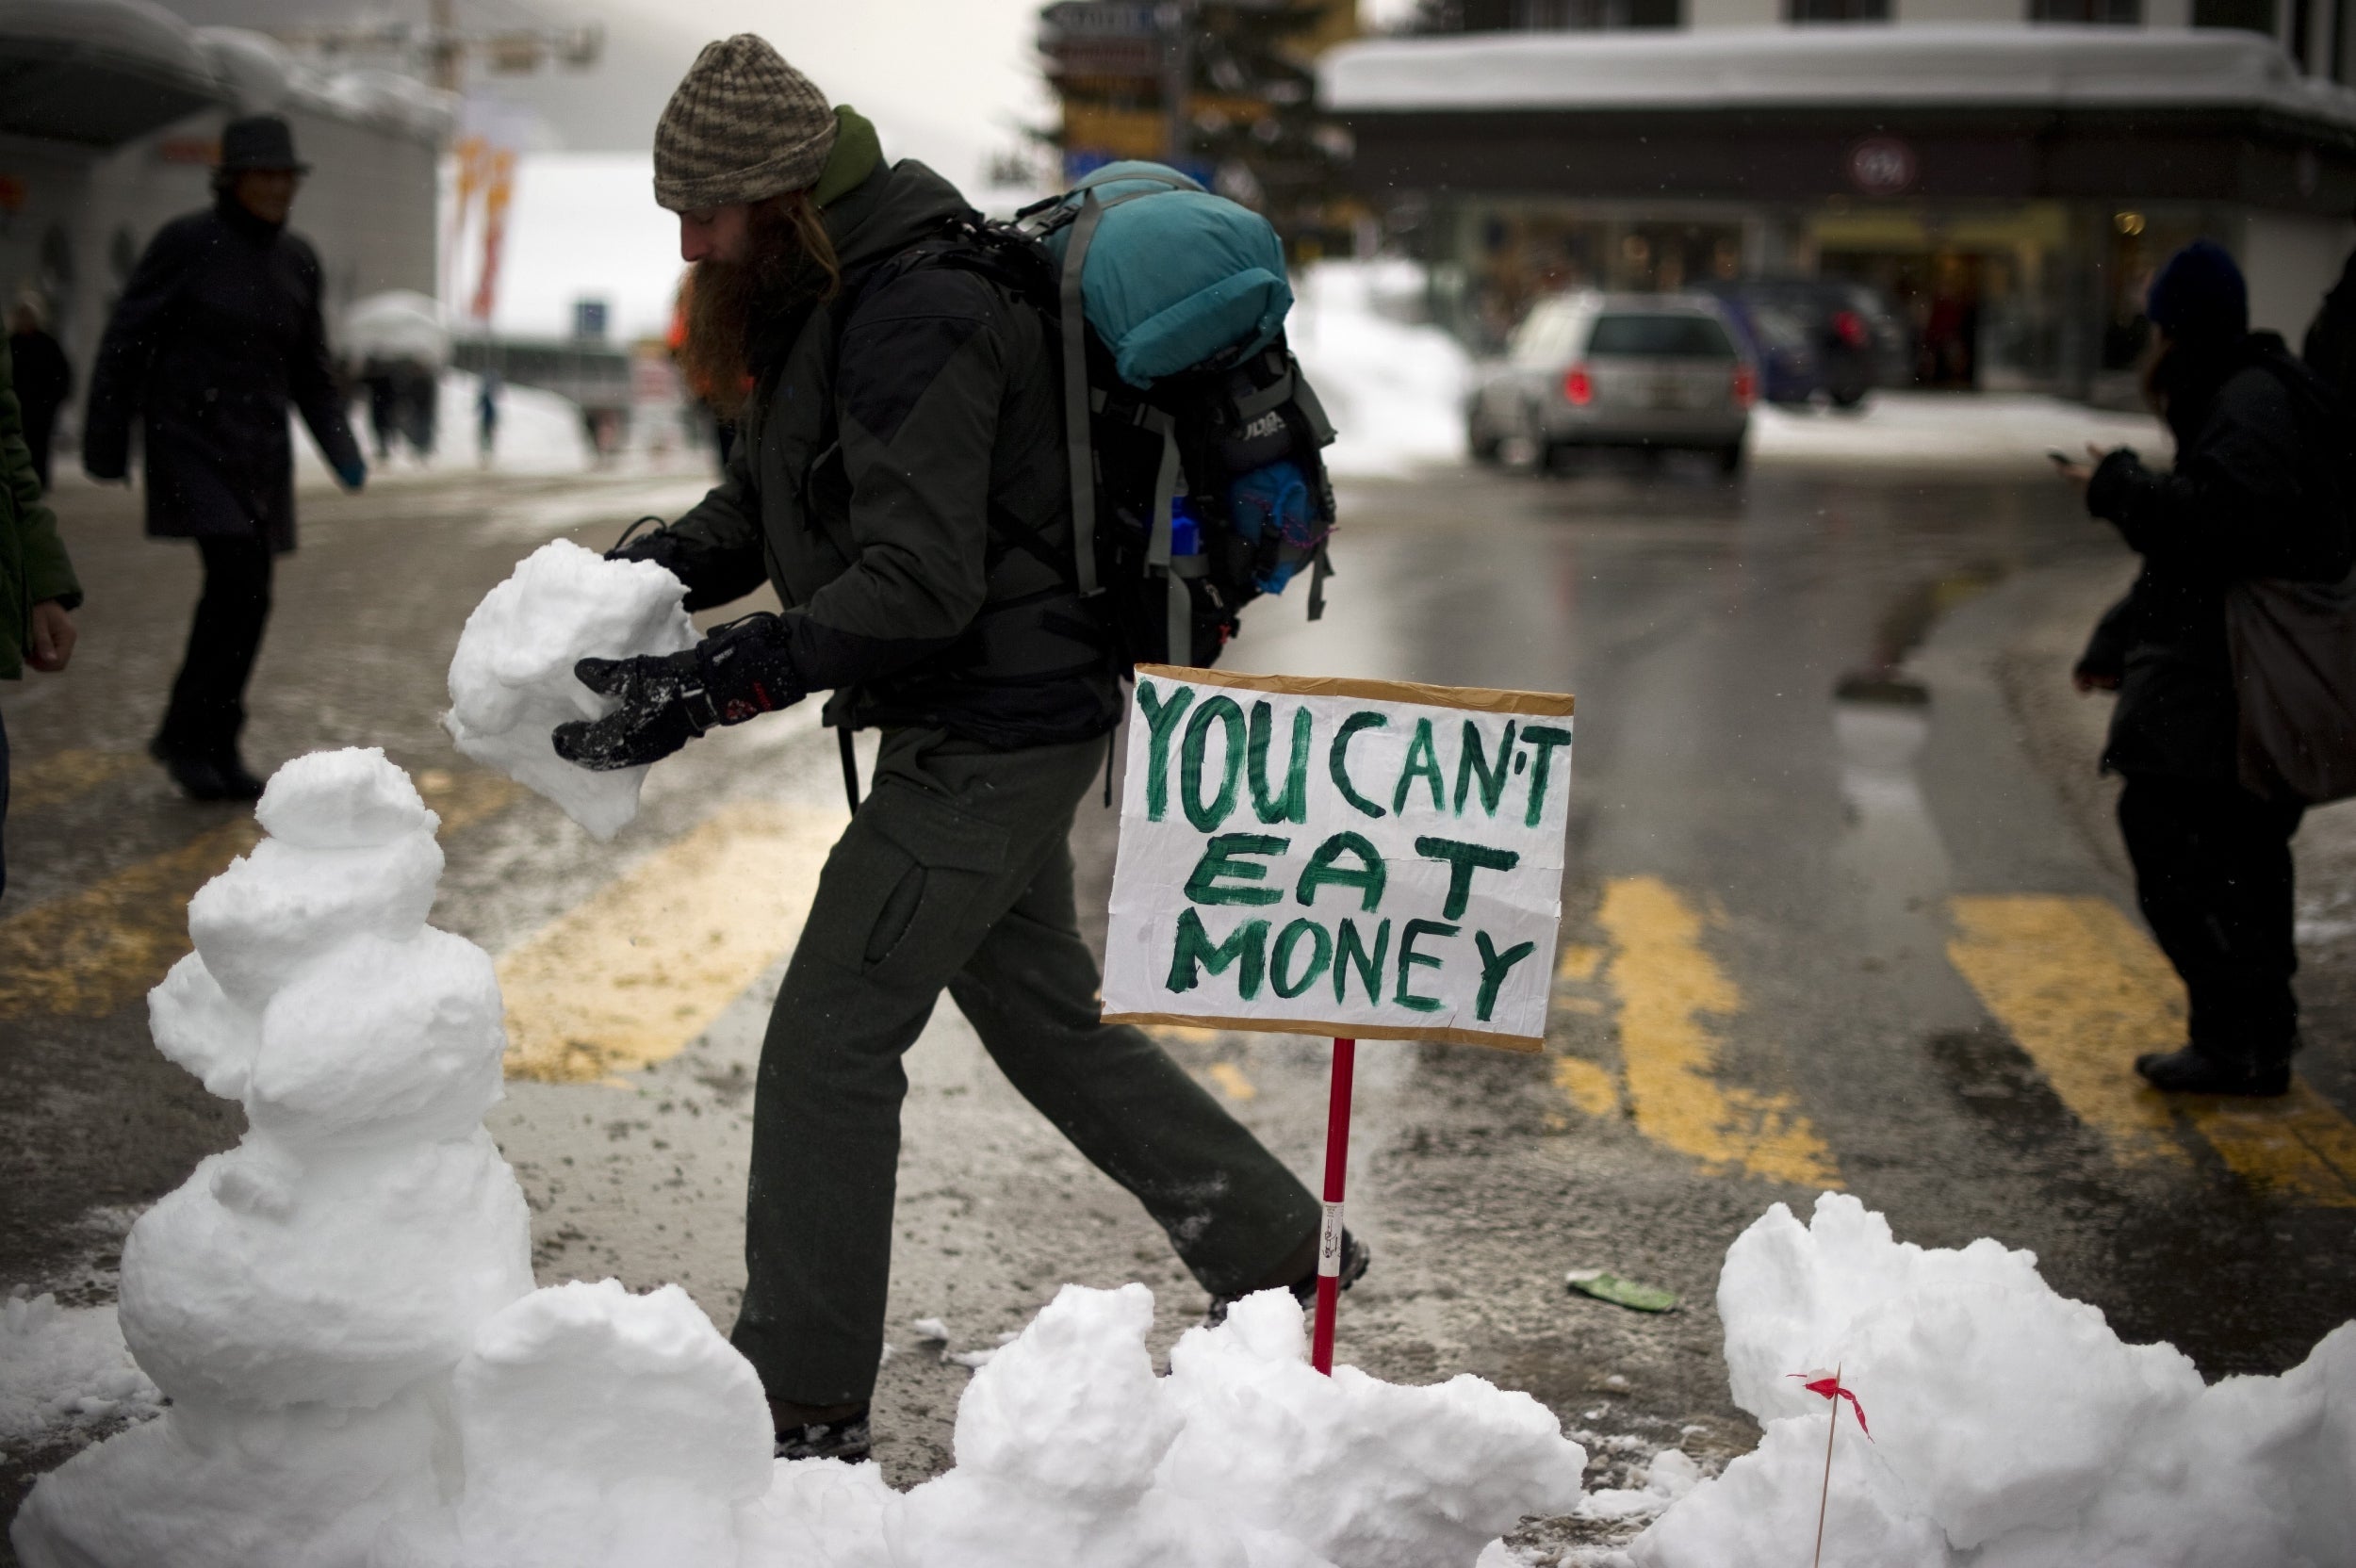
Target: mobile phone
<point x="2061" y="457"/>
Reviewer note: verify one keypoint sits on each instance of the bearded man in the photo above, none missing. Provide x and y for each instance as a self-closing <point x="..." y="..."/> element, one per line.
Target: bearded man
<point x="899" y="479"/>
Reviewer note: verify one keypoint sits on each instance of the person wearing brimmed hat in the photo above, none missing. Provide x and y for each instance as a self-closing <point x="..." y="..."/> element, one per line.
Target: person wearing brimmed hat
<point x="2254" y="493"/>
<point x="900" y="480"/>
<point x="218" y="331"/>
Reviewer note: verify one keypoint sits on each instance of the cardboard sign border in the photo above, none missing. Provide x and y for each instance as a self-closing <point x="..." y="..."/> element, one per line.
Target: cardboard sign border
<point x="1479" y="699"/>
<point x="1525" y="1044"/>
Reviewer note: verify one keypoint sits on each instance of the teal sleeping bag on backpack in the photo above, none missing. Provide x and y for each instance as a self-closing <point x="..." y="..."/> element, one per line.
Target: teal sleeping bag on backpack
<point x="1175" y="275"/>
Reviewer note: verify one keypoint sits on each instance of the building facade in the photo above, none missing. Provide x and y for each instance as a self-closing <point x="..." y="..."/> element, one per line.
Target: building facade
<point x="2009" y="174"/>
<point x="112" y="121"/>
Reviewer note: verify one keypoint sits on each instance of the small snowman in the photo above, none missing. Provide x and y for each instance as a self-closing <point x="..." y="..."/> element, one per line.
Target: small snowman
<point x="303" y="1297"/>
<point x="341" y="1308"/>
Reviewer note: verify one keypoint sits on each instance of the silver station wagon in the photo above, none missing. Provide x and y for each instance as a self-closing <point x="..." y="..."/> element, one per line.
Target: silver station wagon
<point x="1650" y="372"/>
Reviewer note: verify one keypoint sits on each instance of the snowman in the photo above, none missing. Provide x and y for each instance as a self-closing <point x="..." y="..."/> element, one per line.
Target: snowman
<point x="341" y="1308"/>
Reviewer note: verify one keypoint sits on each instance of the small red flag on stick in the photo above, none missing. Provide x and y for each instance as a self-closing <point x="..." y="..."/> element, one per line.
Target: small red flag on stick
<point x="1828" y="1386"/>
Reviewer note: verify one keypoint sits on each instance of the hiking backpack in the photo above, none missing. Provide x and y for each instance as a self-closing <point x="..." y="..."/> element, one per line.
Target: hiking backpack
<point x="1193" y="438"/>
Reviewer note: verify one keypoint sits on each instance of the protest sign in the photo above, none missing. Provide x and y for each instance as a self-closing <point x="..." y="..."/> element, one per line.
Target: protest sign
<point x="1359" y="858"/>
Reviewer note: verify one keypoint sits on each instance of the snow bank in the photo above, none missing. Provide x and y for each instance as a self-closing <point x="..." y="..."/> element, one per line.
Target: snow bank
<point x="1968" y="428"/>
<point x="539" y="432"/>
<point x="362" y="1375"/>
<point x="511" y="681"/>
<point x="1394" y="388"/>
<point x="62" y="1367"/>
<point x="2006" y="1420"/>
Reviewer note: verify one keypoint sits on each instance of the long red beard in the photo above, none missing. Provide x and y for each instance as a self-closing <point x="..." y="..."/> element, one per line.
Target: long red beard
<point x="726" y="301"/>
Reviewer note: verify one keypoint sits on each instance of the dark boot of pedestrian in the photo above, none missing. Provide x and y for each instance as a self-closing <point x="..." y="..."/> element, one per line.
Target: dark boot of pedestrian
<point x="837" y="1431"/>
<point x="201" y="775"/>
<point x="2192" y="1071"/>
<point x="1356" y="1255"/>
<point x="236" y="776"/>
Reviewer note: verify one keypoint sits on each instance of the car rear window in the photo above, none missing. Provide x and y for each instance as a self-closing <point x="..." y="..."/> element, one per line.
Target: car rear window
<point x="1659" y="337"/>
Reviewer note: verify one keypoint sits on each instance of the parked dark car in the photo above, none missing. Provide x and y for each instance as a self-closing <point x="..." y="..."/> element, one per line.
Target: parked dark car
<point x="1860" y="341"/>
<point x="1778" y="341"/>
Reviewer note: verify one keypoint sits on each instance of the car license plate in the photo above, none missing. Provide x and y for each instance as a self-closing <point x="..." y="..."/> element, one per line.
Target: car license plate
<point x="1666" y="394"/>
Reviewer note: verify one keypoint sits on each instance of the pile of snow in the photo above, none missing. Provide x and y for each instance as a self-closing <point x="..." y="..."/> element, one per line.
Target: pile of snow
<point x="362" y="1375"/>
<point x="65" y="1367"/>
<point x="1967" y="429"/>
<point x="512" y="682"/>
<point x="539" y="432"/>
<point x="2010" y="1428"/>
<point x="1393" y="387"/>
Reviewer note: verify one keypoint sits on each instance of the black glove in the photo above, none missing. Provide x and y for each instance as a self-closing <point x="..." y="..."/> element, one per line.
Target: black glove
<point x="739" y="671"/>
<point x="657" y="545"/>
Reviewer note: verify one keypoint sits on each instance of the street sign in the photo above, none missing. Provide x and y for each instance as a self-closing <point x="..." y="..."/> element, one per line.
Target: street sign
<point x="1074" y="19"/>
<point x="1353" y="858"/>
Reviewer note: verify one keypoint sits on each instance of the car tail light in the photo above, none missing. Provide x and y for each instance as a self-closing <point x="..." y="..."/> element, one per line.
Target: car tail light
<point x="1849" y="327"/>
<point x="1579" y="386"/>
<point x="1745" y="385"/>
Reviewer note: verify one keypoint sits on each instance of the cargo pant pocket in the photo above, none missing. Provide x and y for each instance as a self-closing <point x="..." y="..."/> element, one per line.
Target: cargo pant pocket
<point x="906" y="890"/>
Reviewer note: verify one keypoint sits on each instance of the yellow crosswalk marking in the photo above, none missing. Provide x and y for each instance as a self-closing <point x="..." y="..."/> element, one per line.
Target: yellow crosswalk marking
<point x="1591" y="1088"/>
<point x="1577" y="964"/>
<point x="2298" y="1149"/>
<point x="1667" y="986"/>
<point x="92" y="952"/>
<point x="627" y="978"/>
<point x="1231" y="1081"/>
<point x="46" y="781"/>
<point x="2084" y="992"/>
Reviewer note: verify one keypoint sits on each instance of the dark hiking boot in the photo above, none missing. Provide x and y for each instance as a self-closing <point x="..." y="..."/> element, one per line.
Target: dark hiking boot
<point x="845" y="1437"/>
<point x="202" y="778"/>
<point x="1356" y="1255"/>
<point x="2190" y="1071"/>
<point x="241" y="784"/>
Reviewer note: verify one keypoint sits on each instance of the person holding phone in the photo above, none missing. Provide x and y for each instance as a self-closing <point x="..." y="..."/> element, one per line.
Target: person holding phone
<point x="2255" y="492"/>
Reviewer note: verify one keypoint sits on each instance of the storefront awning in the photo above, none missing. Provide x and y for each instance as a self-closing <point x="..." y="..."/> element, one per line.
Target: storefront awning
<point x="2008" y="113"/>
<point x="98" y="72"/>
<point x="1857" y="67"/>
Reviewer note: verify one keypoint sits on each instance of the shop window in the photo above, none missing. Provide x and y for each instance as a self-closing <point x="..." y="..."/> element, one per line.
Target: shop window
<point x="1592" y="16"/>
<point x="1838" y="11"/>
<point x="2254" y="16"/>
<point x="2117" y="13"/>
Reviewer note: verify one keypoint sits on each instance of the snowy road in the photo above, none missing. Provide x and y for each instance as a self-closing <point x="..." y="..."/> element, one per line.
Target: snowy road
<point x="1870" y="944"/>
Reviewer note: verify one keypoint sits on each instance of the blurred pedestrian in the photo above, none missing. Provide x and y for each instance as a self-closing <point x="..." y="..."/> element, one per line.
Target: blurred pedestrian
<point x="993" y="694"/>
<point x="486" y="416"/>
<point x="384" y="406"/>
<point x="45" y="377"/>
<point x="217" y="331"/>
<point x="2256" y="492"/>
<point x="2330" y="347"/>
<point x="36" y="586"/>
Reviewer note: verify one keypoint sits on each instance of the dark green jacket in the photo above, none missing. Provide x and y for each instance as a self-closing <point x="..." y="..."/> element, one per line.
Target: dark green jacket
<point x="899" y="478"/>
<point x="33" y="566"/>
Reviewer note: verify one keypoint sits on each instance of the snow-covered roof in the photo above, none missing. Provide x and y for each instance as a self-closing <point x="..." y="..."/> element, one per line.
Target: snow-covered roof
<point x="1993" y="66"/>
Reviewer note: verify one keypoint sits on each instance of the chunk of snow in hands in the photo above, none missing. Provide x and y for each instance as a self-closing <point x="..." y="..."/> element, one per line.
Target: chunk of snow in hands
<point x="512" y="682"/>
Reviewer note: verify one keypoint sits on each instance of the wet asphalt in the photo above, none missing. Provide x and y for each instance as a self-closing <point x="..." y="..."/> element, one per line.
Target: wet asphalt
<point x="1798" y="711"/>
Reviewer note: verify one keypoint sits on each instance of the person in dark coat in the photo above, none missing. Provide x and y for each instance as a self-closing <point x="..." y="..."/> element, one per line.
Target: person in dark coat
<point x="2254" y="493"/>
<point x="45" y="379"/>
<point x="218" y="331"/>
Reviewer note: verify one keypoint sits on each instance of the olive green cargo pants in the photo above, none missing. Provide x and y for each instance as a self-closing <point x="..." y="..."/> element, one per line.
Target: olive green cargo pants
<point x="956" y="872"/>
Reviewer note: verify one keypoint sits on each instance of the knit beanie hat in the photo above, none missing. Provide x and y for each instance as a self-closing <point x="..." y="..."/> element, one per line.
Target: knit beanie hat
<point x="742" y="126"/>
<point x="2199" y="297"/>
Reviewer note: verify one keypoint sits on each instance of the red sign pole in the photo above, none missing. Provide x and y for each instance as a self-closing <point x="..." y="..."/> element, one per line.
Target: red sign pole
<point x="1329" y="1230"/>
